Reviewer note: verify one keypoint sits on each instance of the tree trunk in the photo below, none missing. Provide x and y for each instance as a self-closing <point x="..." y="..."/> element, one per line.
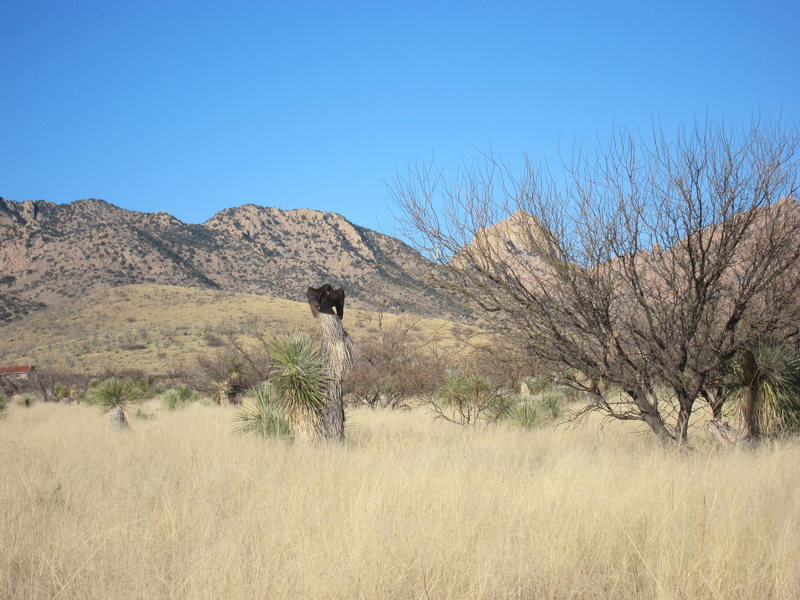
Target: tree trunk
<point x="750" y="412"/>
<point x="117" y="418"/>
<point x="750" y="396"/>
<point x="682" y="427"/>
<point x="339" y="353"/>
<point x="650" y="413"/>
<point x="657" y="426"/>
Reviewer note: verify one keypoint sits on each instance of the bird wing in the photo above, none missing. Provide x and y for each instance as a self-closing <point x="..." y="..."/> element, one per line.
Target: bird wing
<point x="338" y="297"/>
<point x="313" y="301"/>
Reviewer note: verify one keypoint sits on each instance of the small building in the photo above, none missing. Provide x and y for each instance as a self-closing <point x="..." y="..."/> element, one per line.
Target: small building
<point x="19" y="373"/>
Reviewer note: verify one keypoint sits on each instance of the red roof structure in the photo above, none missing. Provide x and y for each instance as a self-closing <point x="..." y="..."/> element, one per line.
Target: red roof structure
<point x="16" y="370"/>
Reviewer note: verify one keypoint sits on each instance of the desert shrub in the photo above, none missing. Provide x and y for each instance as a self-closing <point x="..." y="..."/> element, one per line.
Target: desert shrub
<point x="211" y="339"/>
<point x="533" y="411"/>
<point x="113" y="393"/>
<point x="26" y="400"/>
<point x="3" y="405"/>
<point x="262" y="413"/>
<point x="468" y="399"/>
<point x="500" y="361"/>
<point x="178" y="397"/>
<point x="114" y="396"/>
<point x="225" y="376"/>
<point x="393" y="366"/>
<point x="60" y="391"/>
<point x="143" y="415"/>
<point x="525" y="414"/>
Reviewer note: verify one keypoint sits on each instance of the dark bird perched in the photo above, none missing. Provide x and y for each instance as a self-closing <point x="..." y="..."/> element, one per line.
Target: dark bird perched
<point x="325" y="299"/>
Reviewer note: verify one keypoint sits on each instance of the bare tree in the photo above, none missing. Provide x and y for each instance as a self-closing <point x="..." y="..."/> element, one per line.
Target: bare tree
<point x="637" y="275"/>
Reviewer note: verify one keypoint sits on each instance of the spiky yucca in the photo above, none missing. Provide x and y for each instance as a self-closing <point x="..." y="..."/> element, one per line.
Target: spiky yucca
<point x="114" y="396"/>
<point x="178" y="397"/>
<point x="764" y="385"/>
<point x="261" y="413"/>
<point x="299" y="379"/>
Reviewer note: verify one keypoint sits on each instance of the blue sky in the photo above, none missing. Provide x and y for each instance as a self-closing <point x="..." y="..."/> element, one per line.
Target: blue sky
<point x="192" y="107"/>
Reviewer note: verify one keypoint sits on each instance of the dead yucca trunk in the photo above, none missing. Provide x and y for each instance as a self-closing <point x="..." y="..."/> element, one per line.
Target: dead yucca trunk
<point x="305" y="424"/>
<point x="339" y="353"/>
<point x="117" y="418"/>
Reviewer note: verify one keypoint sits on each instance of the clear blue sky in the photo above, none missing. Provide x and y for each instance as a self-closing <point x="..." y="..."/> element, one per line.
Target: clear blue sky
<point x="192" y="107"/>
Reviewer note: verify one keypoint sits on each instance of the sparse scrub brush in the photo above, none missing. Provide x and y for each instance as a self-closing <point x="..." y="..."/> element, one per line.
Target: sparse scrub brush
<point x="261" y="413"/>
<point x="114" y="396"/>
<point x="229" y="386"/>
<point x="3" y="405"/>
<point x="466" y="399"/>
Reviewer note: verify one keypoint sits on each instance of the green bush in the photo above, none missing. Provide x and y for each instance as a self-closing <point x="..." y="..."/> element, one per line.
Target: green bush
<point x="467" y="399"/>
<point x="178" y="397"/>
<point x="298" y="376"/>
<point x="60" y="391"/>
<point x="262" y="413"/>
<point x="114" y="393"/>
<point x="27" y="399"/>
<point x="544" y="406"/>
<point x="525" y="414"/>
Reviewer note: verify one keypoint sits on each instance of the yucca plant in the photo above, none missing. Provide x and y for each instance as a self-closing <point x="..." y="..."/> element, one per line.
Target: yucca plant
<point x="114" y="396"/>
<point x="3" y="405"/>
<point x="764" y="386"/>
<point x="298" y="379"/>
<point x="261" y="413"/>
<point x="532" y="411"/>
<point x="227" y="388"/>
<point x="178" y="397"/>
<point x="525" y="414"/>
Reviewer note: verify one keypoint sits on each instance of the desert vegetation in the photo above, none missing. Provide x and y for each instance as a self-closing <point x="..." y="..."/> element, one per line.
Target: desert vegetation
<point x="408" y="507"/>
<point x="512" y="457"/>
<point x="636" y="276"/>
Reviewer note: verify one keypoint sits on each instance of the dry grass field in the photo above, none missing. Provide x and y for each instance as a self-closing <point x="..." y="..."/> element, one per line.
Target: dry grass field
<point x="151" y="327"/>
<point x="180" y="507"/>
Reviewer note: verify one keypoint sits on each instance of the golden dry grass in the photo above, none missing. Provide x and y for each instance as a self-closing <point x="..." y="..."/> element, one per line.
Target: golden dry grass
<point x="152" y="327"/>
<point x="408" y="508"/>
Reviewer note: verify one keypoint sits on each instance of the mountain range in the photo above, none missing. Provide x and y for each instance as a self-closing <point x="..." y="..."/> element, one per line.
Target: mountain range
<point x="56" y="253"/>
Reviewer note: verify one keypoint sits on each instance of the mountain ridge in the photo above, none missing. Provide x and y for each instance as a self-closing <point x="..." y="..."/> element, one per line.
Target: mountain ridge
<point x="52" y="253"/>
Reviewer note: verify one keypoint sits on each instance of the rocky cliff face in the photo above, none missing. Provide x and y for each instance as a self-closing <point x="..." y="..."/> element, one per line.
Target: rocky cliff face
<point x="50" y="253"/>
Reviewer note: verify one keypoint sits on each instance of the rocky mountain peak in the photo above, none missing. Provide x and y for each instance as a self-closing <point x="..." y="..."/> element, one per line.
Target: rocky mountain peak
<point x="91" y="245"/>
